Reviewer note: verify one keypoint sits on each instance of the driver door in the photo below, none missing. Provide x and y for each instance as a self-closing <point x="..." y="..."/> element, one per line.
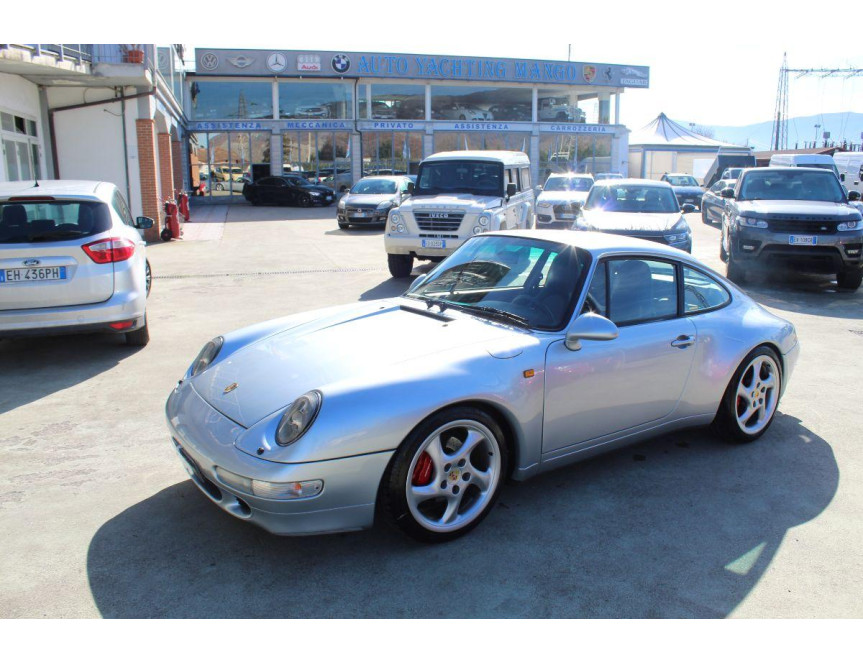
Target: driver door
<point x="636" y="380"/>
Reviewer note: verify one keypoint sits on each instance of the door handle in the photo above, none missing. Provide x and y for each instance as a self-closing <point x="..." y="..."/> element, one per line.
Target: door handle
<point x="683" y="341"/>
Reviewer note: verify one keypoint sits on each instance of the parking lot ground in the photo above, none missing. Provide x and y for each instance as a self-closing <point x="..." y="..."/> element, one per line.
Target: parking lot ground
<point x="98" y="518"/>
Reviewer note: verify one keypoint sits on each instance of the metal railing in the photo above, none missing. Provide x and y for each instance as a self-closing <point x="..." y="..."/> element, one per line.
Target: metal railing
<point x="80" y="53"/>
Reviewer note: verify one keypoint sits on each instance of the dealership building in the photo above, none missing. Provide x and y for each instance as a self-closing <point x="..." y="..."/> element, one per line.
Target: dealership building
<point x="336" y="117"/>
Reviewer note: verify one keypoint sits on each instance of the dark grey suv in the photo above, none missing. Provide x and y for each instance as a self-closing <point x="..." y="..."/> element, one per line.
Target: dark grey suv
<point x="795" y="216"/>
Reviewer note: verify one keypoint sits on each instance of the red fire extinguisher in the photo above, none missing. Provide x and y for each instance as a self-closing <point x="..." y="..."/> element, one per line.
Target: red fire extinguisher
<point x="183" y="201"/>
<point x="172" y="221"/>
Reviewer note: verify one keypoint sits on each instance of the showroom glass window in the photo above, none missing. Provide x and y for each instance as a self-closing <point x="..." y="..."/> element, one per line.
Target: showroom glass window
<point x="224" y="161"/>
<point x="481" y="104"/>
<point x="217" y="100"/>
<point x="316" y="101"/>
<point x="391" y="102"/>
<point x="319" y="156"/>
<point x="446" y="141"/>
<point x="392" y="153"/>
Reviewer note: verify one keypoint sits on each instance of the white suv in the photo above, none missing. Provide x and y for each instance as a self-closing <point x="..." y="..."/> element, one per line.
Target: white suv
<point x="72" y="260"/>
<point x="458" y="195"/>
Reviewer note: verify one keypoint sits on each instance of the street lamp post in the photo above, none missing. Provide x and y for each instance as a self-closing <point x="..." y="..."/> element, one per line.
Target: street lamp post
<point x="817" y="127"/>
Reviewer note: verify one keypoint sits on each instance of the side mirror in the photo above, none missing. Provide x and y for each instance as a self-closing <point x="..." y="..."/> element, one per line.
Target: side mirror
<point x="143" y="223"/>
<point x="538" y="188"/>
<point x="688" y="208"/>
<point x="728" y="192"/>
<point x="853" y="195"/>
<point x="589" y="327"/>
<point x="410" y="187"/>
<point x="511" y="189"/>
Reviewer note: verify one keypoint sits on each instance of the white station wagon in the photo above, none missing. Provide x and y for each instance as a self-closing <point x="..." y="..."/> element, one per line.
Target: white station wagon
<point x="72" y="260"/>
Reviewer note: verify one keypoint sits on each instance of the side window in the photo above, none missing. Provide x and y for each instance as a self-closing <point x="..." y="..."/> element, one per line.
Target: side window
<point x="701" y="293"/>
<point x="525" y="179"/>
<point x="517" y="174"/>
<point x="719" y="186"/>
<point x="120" y="207"/>
<point x="641" y="290"/>
<point x="597" y="294"/>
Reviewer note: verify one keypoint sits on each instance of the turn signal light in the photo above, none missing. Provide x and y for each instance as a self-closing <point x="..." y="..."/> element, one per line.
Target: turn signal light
<point x="110" y="250"/>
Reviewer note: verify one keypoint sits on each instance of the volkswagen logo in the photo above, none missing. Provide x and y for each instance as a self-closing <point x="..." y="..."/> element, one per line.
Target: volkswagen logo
<point x="32" y="262"/>
<point x="209" y="61"/>
<point x="341" y="63"/>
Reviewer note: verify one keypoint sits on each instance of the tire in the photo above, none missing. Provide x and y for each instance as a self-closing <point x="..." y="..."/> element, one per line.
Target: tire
<point x="344" y="226"/>
<point x="139" y="337"/>
<point x="148" y="277"/>
<point x="850" y="280"/>
<point x="165" y="235"/>
<point x="305" y="201"/>
<point x="434" y="489"/>
<point x="400" y="265"/>
<point x="219" y="187"/>
<point x="758" y="379"/>
<point x="723" y="255"/>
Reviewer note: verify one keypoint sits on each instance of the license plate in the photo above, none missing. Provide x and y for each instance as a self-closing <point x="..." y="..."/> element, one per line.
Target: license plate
<point x="567" y="216"/>
<point x="362" y="214"/>
<point x="33" y="274"/>
<point x="434" y="244"/>
<point x="802" y="239"/>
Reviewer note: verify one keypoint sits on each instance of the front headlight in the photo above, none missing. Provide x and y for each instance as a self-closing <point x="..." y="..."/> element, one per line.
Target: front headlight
<point x="207" y="355"/>
<point x="749" y="222"/>
<point x="850" y="226"/>
<point x="678" y="233"/>
<point x="483" y="220"/>
<point x="314" y="193"/>
<point x="395" y="218"/>
<point x="543" y="204"/>
<point x="386" y="205"/>
<point x="298" y="418"/>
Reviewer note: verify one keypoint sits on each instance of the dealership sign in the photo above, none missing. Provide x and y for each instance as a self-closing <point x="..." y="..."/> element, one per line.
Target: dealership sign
<point x="224" y="126"/>
<point x="554" y="128"/>
<point x="251" y="62"/>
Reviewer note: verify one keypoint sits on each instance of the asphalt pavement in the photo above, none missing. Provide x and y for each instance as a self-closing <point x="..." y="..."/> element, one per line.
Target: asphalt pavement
<point x="98" y="517"/>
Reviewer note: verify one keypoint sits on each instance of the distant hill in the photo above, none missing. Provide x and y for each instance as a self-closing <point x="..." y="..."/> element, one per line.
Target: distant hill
<point x="800" y="130"/>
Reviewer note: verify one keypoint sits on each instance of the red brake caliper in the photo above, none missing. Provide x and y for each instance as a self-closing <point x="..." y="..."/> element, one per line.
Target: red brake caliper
<point x="423" y="470"/>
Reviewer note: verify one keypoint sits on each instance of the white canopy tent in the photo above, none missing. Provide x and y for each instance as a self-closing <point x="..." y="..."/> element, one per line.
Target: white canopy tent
<point x="664" y="146"/>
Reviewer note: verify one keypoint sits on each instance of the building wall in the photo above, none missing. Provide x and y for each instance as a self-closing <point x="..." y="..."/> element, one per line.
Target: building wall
<point x="21" y="97"/>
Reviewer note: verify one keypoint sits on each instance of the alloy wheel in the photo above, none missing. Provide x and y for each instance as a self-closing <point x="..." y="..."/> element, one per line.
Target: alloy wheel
<point x="757" y="395"/>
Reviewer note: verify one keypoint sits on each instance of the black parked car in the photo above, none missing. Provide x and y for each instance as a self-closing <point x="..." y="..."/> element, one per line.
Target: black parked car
<point x="712" y="203"/>
<point x="512" y="112"/>
<point x="686" y="188"/>
<point x="287" y="190"/>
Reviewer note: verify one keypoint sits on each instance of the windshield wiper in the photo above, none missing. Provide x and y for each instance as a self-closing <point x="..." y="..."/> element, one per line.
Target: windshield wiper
<point x="497" y="313"/>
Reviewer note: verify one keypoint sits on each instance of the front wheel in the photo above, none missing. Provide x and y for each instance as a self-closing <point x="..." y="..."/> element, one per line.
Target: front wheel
<point x="850" y="280"/>
<point x="400" y="265"/>
<point x="305" y="200"/>
<point x="751" y="398"/>
<point x="446" y="476"/>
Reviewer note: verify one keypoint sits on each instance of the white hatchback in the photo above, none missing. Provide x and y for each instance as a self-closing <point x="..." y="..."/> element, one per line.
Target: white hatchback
<point x="72" y="260"/>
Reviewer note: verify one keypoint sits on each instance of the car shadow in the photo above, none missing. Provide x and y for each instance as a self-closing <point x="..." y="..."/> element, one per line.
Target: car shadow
<point x="354" y="230"/>
<point x="800" y="292"/>
<point x="34" y="367"/>
<point x="393" y="287"/>
<point x="681" y="526"/>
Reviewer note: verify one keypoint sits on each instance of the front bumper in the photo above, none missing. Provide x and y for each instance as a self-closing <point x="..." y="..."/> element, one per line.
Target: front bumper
<point x="829" y="254"/>
<point x="421" y="246"/>
<point x="128" y="305"/>
<point x="372" y="218"/>
<point x="203" y="438"/>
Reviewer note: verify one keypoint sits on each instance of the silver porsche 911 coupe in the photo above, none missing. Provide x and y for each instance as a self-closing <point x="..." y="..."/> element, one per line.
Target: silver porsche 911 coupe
<point x="521" y="352"/>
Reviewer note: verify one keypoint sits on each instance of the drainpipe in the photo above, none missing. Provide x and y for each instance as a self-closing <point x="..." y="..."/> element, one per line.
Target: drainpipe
<point x="125" y="145"/>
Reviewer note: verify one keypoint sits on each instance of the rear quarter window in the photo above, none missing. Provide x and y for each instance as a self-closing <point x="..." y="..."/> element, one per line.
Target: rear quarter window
<point x="43" y="221"/>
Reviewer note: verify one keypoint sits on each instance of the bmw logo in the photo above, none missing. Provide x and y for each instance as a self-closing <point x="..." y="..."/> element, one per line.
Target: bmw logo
<point x="341" y="63"/>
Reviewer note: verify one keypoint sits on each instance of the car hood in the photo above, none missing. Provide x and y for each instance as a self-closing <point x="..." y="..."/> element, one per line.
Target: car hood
<point x="368" y="199"/>
<point x="463" y="201"/>
<point x="562" y="196"/>
<point x="688" y="190"/>
<point x="356" y="344"/>
<point x="792" y="208"/>
<point x="630" y="221"/>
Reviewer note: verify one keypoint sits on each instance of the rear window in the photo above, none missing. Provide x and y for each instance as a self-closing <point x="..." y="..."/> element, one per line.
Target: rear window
<point x="44" y="221"/>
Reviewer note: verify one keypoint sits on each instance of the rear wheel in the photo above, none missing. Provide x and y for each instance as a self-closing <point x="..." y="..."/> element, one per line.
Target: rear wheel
<point x="850" y="280"/>
<point x="446" y="476"/>
<point x="751" y="398"/>
<point x="139" y="337"/>
<point x="400" y="265"/>
<point x="148" y="277"/>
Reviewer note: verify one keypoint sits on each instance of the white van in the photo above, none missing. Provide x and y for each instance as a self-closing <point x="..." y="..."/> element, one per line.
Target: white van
<point x="458" y="195"/>
<point x="850" y="166"/>
<point x="805" y="160"/>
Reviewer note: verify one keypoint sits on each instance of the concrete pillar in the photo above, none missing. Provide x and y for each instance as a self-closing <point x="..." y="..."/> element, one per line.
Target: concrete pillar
<point x="604" y="108"/>
<point x="177" y="164"/>
<point x="533" y="155"/>
<point x="277" y="152"/>
<point x="145" y="130"/>
<point x="166" y="167"/>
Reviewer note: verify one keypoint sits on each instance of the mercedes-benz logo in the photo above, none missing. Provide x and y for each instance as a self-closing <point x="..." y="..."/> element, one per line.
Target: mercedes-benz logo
<point x="277" y="62"/>
<point x="209" y="61"/>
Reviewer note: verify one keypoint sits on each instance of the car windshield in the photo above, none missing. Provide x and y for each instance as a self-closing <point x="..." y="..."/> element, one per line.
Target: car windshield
<point x="43" y="221"/>
<point x="528" y="282"/>
<point x="731" y="173"/>
<point x="681" y="181"/>
<point x="791" y="185"/>
<point x="631" y="198"/>
<point x="481" y="178"/>
<point x="567" y="184"/>
<point x="374" y="187"/>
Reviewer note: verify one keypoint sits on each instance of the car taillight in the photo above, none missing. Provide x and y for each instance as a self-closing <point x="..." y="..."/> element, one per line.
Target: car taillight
<point x="110" y="250"/>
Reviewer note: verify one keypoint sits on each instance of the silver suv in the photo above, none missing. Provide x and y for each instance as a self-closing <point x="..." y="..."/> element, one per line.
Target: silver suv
<point x="72" y="260"/>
